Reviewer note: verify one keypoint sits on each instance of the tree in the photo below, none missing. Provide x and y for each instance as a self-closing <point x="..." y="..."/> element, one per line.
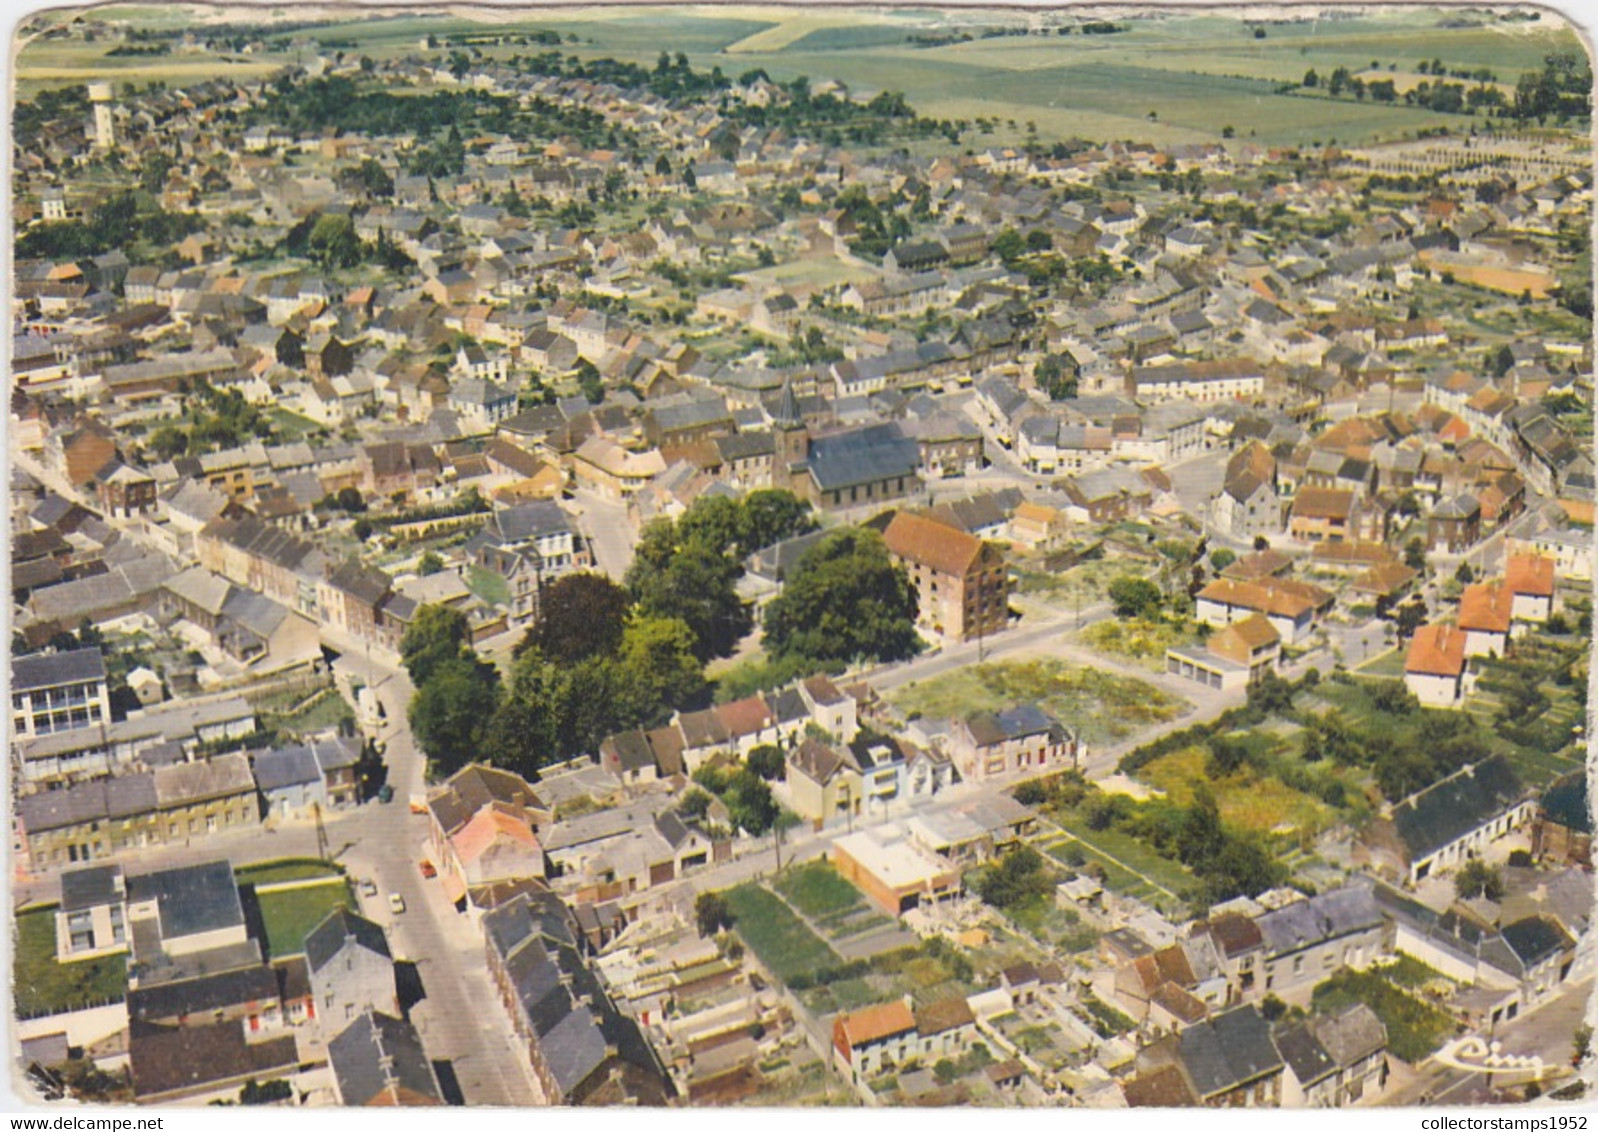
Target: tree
<point x="1226" y="757"/>
<point x="1272" y="1008"/>
<point x="589" y="380"/>
<point x="657" y="671"/>
<point x="1311" y="79"/>
<point x="1261" y="542"/>
<point x="1415" y="554"/>
<point x="1464" y="575"/>
<point x="1221" y="558"/>
<point x="771" y="515"/>
<point x="1008" y="245"/>
<point x="431" y="563"/>
<point x="1200" y="836"/>
<point x="527" y="731"/>
<point x="749" y="803"/>
<point x="1410" y="616"/>
<point x="438" y="634"/>
<point x="1134" y="597"/>
<point x="711" y="913"/>
<point x="349" y="500"/>
<point x="767" y="761"/>
<point x="844" y="599"/>
<point x="1478" y="879"/>
<point x="692" y="583"/>
<point x="451" y="711"/>
<point x="579" y="615"/>
<point x="1018" y="877"/>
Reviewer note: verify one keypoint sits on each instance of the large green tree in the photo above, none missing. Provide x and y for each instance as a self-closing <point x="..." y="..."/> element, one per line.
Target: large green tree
<point x="579" y="615"/>
<point x="438" y="634"/>
<point x="657" y="672"/>
<point x="845" y="599"/>
<point x="452" y="709"/>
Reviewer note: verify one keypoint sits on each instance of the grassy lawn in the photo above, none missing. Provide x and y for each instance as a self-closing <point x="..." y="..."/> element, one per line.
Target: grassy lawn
<point x="329" y="710"/>
<point x="1117" y="877"/>
<point x="1127" y="851"/>
<point x="290" y="868"/>
<point x="818" y="892"/>
<point x="291" y="425"/>
<point x="1414" y="1030"/>
<point x="1106" y="706"/>
<point x="289" y="916"/>
<point x="488" y="585"/>
<point x="1246" y="799"/>
<point x="781" y="939"/>
<point x="43" y="986"/>
<point x="1389" y="665"/>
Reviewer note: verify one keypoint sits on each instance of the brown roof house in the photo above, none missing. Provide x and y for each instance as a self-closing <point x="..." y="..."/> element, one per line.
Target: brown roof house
<point x="962" y="583"/>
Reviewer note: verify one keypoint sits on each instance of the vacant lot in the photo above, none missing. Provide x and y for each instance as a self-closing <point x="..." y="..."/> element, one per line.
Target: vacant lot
<point x="781" y="939"/>
<point x="1104" y="706"/>
<point x="43" y="986"/>
<point x="1246" y="799"/>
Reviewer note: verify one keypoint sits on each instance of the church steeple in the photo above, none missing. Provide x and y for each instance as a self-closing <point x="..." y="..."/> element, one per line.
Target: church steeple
<point x="792" y="442"/>
<point x="788" y="408"/>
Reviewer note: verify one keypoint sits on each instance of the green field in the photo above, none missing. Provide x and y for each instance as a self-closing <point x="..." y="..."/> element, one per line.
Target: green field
<point x="289" y="915"/>
<point x="1105" y="706"/>
<point x="1165" y="78"/>
<point x="43" y="986"/>
<point x="781" y="940"/>
<point x="817" y="891"/>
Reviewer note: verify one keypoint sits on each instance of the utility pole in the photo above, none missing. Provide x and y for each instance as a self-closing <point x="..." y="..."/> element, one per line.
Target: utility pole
<point x="322" y="849"/>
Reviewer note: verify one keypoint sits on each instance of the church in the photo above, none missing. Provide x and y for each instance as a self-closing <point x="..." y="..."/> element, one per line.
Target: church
<point x="844" y="469"/>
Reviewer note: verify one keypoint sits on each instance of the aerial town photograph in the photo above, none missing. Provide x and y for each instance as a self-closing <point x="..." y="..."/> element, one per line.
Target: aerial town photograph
<point x="781" y="557"/>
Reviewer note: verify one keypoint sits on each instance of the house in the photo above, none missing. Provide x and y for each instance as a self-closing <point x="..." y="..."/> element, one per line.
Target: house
<point x="1226" y="1061"/>
<point x="1439" y="828"/>
<point x="351" y="970"/>
<point x="1021" y="739"/>
<point x="1334" y="1061"/>
<point x="581" y="1048"/>
<point x="378" y="1062"/>
<point x="1307" y="941"/>
<point x="290" y="781"/>
<point x="58" y="692"/>
<point x="892" y="869"/>
<point x="1530" y="579"/>
<point x="1291" y="607"/>
<point x="1324" y="514"/>
<point x="1234" y="658"/>
<point x="1561" y="828"/>
<point x="867" y="1042"/>
<point x="1454" y="524"/>
<point x="962" y="583"/>
<point x="1434" y="667"/>
<point x="169" y="1064"/>
<point x="1486" y="618"/>
<point x="91" y="919"/>
<point x="483" y="825"/>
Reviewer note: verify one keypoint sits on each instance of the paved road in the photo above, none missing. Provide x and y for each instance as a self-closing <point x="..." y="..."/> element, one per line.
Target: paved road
<point x="609" y="532"/>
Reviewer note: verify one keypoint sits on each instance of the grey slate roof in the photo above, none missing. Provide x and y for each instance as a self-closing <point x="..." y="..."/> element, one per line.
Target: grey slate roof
<point x="201" y="996"/>
<point x="1305" y="1056"/>
<point x="89" y="888"/>
<point x="191" y="899"/>
<point x="862" y="456"/>
<point x="1305" y="923"/>
<point x="378" y="1059"/>
<point x="49" y="670"/>
<point x="285" y="766"/>
<point x="1447" y="811"/>
<point x="1228" y="1050"/>
<point x="339" y="929"/>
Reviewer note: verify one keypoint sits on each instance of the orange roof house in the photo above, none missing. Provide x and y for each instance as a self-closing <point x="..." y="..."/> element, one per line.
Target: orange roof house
<point x="1530" y="574"/>
<point x="1436" y="650"/>
<point x="857" y="1036"/>
<point x="1485" y="608"/>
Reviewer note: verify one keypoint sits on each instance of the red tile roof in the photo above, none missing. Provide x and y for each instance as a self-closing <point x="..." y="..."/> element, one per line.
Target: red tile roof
<point x="1530" y="574"/>
<point x="1485" y="607"/>
<point x="1436" y="650"/>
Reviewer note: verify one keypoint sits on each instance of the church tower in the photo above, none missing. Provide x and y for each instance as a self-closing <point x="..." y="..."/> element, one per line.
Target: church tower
<point x="102" y="99"/>
<point x="792" y="444"/>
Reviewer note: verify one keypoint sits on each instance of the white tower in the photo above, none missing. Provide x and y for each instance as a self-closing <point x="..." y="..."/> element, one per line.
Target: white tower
<point x="101" y="96"/>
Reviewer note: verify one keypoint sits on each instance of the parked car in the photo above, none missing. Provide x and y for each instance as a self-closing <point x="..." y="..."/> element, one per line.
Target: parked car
<point x="396" y="903"/>
<point x="428" y="870"/>
<point x="368" y="888"/>
<point x="385" y="793"/>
